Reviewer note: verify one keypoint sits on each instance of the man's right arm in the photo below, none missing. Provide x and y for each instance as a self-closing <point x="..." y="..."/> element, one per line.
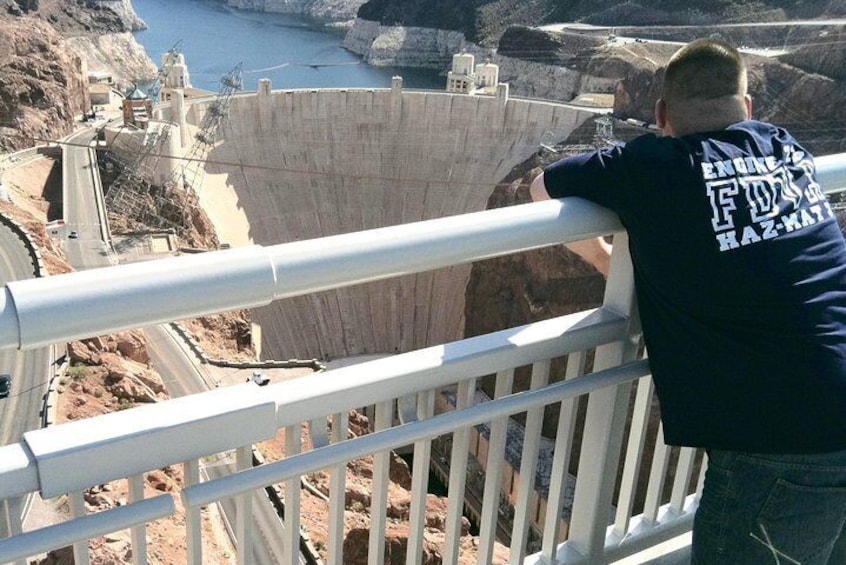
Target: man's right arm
<point x="537" y="190"/>
<point x="595" y="251"/>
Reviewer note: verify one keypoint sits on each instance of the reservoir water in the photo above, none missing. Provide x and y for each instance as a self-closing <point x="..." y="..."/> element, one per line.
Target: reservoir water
<point x="284" y="48"/>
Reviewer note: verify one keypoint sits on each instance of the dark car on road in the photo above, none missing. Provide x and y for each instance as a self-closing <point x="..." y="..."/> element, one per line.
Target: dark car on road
<point x="5" y="385"/>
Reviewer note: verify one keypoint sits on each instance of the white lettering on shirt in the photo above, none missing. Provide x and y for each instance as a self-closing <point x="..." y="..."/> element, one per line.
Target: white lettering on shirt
<point x="755" y="199"/>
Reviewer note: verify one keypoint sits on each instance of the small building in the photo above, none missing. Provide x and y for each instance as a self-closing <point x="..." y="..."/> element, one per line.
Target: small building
<point x="468" y="78"/>
<point x="461" y="79"/>
<point x="100" y="77"/>
<point x="487" y="77"/>
<point x="101" y="94"/>
<point x="137" y="108"/>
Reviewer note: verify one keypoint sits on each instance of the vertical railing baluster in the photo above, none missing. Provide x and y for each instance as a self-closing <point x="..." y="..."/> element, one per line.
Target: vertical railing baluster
<point x="561" y="462"/>
<point x="657" y="476"/>
<point x="419" y="483"/>
<point x="605" y="419"/>
<point x="379" y="501"/>
<point x="458" y="469"/>
<point x="684" y="469"/>
<point x="291" y="534"/>
<point x="14" y="523"/>
<point x="244" y="509"/>
<point x="700" y="483"/>
<point x="493" y="473"/>
<point x="634" y="456"/>
<point x="337" y="493"/>
<point x="528" y="465"/>
<point x="193" y="520"/>
<point x="77" y="507"/>
<point x="138" y="533"/>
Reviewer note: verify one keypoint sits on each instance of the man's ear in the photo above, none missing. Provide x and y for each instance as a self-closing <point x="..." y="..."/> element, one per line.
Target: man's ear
<point x="661" y="113"/>
<point x="747" y="100"/>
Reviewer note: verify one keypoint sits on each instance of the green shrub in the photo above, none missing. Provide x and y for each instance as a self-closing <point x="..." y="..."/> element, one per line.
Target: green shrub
<point x="78" y="372"/>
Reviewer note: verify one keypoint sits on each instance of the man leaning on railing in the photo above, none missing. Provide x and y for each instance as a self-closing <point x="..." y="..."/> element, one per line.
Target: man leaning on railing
<point x="740" y="270"/>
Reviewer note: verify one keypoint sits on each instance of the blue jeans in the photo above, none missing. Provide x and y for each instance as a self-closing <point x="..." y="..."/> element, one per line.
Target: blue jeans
<point x="772" y="509"/>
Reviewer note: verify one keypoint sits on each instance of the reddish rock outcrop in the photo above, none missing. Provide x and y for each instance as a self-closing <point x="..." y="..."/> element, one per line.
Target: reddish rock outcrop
<point x="42" y="84"/>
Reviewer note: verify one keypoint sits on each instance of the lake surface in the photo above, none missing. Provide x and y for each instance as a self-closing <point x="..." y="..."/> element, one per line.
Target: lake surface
<point x="285" y="48"/>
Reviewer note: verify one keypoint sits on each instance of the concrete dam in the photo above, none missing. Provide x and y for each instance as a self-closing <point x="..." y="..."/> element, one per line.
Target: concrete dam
<point x="306" y="164"/>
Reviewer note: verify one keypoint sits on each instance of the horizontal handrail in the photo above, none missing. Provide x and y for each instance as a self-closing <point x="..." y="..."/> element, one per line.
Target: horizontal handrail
<point x="38" y="312"/>
<point x="328" y="456"/>
<point x="18" y="469"/>
<point x="87" y="527"/>
<point x="442" y="365"/>
<point x="130" y="442"/>
<point x="831" y="172"/>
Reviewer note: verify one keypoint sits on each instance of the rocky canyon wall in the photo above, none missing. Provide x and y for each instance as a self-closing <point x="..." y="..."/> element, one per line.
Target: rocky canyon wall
<point x="125" y="11"/>
<point x="118" y="53"/>
<point x="42" y="84"/>
<point x="327" y="11"/>
<point x="433" y="48"/>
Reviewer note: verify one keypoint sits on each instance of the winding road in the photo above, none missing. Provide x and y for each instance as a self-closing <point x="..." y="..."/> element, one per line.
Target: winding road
<point x="182" y="374"/>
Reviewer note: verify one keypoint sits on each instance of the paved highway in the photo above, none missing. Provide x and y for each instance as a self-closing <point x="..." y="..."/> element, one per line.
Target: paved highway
<point x="30" y="370"/>
<point x="177" y="366"/>
<point x="82" y="205"/>
<point x="171" y="357"/>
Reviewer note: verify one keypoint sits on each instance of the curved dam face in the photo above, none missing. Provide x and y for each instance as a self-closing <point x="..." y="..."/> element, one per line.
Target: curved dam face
<point x="307" y="164"/>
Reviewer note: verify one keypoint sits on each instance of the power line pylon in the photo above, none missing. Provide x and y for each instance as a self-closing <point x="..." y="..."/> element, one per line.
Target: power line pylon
<point x="168" y="60"/>
<point x="136" y="152"/>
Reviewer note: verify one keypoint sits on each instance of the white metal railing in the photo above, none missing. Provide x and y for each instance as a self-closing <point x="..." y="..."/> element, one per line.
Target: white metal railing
<point x="598" y="524"/>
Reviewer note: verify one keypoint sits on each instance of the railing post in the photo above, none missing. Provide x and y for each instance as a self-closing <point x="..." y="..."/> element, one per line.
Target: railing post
<point x="138" y="533"/>
<point x="80" y="548"/>
<point x="193" y="524"/>
<point x="684" y="469"/>
<point x="634" y="456"/>
<point x="493" y="473"/>
<point x="560" y="472"/>
<point x="13" y="520"/>
<point x="419" y="483"/>
<point x="244" y="509"/>
<point x="291" y="534"/>
<point x="657" y="476"/>
<point x="337" y="494"/>
<point x="605" y="420"/>
<point x="379" y="501"/>
<point x="458" y="470"/>
<point x="528" y="464"/>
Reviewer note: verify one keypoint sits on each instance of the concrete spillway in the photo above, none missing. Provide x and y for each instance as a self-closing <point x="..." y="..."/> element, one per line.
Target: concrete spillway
<point x="307" y="164"/>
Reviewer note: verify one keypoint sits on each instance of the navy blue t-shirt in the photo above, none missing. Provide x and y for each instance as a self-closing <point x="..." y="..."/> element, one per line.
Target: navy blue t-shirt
<point x="740" y="271"/>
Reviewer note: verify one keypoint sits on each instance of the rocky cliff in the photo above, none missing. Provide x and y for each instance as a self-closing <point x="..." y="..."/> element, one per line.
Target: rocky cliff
<point x="810" y="105"/>
<point x="42" y="84"/>
<point x="484" y="21"/>
<point x="324" y="11"/>
<point x="46" y="49"/>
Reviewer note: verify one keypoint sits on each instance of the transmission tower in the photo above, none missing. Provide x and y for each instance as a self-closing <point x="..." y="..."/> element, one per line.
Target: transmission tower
<point x="216" y="112"/>
<point x="136" y="152"/>
<point x="604" y="133"/>
<point x="168" y="60"/>
<point x="132" y="194"/>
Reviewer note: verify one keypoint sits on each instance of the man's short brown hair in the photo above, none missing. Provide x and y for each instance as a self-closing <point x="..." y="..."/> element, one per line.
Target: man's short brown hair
<point x="703" y="70"/>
